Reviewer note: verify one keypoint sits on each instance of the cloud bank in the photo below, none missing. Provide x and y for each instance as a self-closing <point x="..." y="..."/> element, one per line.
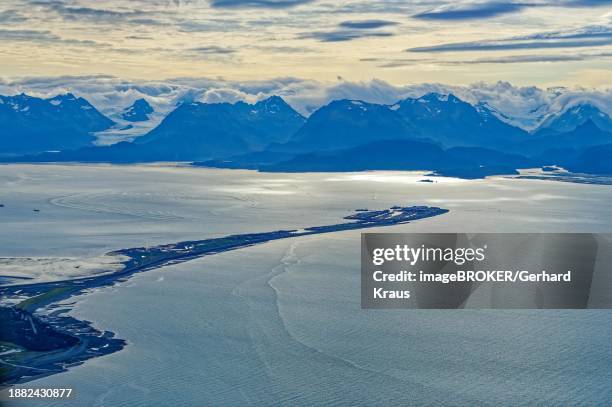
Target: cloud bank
<point x="490" y="9"/>
<point x="257" y="3"/>
<point x="591" y="36"/>
<point x="472" y="11"/>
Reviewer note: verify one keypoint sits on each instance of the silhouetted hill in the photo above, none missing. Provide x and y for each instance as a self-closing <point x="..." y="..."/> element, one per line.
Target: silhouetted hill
<point x="585" y="135"/>
<point x="465" y="162"/>
<point x="593" y="160"/>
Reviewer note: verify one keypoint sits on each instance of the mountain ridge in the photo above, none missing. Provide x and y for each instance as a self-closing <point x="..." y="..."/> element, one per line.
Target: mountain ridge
<point x="572" y="117"/>
<point x="448" y="120"/>
<point x="31" y="124"/>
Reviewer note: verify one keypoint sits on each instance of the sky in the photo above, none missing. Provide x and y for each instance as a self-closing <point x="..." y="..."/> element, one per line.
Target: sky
<point x="527" y="42"/>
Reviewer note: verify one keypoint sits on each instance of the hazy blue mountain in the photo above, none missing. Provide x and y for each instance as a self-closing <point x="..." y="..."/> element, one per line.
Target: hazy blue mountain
<point x="250" y="161"/>
<point x="465" y="162"/>
<point x="485" y="157"/>
<point x="585" y="135"/>
<point x="379" y="155"/>
<point x="558" y="156"/>
<point x="201" y="130"/>
<point x="593" y="160"/>
<point x="450" y="121"/>
<point x="348" y="123"/>
<point x="30" y="124"/>
<point x="574" y="117"/>
<point x="139" y="111"/>
<point x="480" y="162"/>
<point x="123" y="152"/>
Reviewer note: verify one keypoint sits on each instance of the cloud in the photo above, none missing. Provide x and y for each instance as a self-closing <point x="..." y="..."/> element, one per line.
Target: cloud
<point x="509" y="59"/>
<point x="209" y="25"/>
<point x="257" y="3"/>
<point x="281" y="49"/>
<point x="95" y="14"/>
<point x="145" y="21"/>
<point x="397" y="63"/>
<point x="472" y="11"/>
<point x="11" y="16"/>
<point x="98" y="15"/>
<point x="343" y="35"/>
<point x="489" y="9"/>
<point x="228" y="95"/>
<point x="212" y="50"/>
<point x="138" y="37"/>
<point x="587" y="3"/>
<point x="593" y="36"/>
<point x="209" y="53"/>
<point x="366" y="24"/>
<point x="27" y="35"/>
<point x="352" y="30"/>
<point x="39" y="36"/>
<point x="513" y="59"/>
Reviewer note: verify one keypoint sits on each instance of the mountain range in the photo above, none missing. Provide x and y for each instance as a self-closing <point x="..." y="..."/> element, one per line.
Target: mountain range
<point x="434" y="132"/>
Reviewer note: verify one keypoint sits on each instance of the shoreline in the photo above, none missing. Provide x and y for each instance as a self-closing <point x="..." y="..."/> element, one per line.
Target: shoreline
<point x="44" y="357"/>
